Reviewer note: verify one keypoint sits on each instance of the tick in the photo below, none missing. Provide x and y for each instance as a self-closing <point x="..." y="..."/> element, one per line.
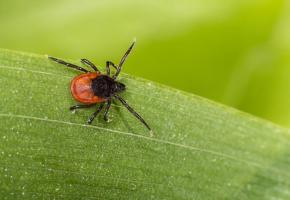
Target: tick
<point x="92" y="87"/>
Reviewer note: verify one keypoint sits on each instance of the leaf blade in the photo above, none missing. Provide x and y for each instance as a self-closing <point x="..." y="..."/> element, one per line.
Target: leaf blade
<point x="201" y="149"/>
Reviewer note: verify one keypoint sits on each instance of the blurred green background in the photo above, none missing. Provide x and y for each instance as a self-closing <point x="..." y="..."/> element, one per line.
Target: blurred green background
<point x="234" y="52"/>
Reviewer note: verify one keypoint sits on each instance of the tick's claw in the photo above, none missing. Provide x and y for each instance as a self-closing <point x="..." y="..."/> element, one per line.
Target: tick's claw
<point x="72" y="108"/>
<point x="107" y="120"/>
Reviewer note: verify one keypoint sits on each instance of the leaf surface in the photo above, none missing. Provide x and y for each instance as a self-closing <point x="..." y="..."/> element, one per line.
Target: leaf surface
<point x="200" y="149"/>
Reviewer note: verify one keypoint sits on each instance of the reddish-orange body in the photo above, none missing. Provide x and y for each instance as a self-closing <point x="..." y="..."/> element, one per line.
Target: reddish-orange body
<point x="81" y="88"/>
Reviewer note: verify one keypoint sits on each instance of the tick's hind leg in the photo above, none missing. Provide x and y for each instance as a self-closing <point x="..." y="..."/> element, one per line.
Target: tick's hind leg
<point x="131" y="110"/>
<point x="90" y="64"/>
<point x="72" y="108"/>
<point x="107" y="110"/>
<point x="68" y="64"/>
<point x="92" y="117"/>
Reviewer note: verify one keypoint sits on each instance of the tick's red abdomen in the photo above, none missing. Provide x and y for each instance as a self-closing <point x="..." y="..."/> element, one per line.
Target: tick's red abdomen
<point x="81" y="88"/>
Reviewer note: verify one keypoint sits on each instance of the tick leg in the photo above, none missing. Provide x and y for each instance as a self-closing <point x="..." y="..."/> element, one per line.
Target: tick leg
<point x="122" y="61"/>
<point x="68" y="64"/>
<point x="90" y="64"/>
<point x="81" y="106"/>
<point x="108" y="64"/>
<point x="92" y="117"/>
<point x="107" y="110"/>
<point x="131" y="110"/>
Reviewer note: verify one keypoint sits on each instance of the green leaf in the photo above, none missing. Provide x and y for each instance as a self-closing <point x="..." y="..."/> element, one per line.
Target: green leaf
<point x="234" y="52"/>
<point x="200" y="149"/>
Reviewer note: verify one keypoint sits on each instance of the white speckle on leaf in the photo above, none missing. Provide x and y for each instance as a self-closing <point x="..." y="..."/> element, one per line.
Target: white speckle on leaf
<point x="133" y="186"/>
<point x="151" y="133"/>
<point x="109" y="120"/>
<point x="14" y="91"/>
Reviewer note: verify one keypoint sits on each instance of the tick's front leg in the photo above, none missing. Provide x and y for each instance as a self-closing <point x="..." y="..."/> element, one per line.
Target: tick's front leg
<point x="108" y="64"/>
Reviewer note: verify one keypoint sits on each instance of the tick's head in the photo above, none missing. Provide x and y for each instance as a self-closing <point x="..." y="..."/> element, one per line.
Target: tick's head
<point x="119" y="87"/>
<point x="104" y="86"/>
